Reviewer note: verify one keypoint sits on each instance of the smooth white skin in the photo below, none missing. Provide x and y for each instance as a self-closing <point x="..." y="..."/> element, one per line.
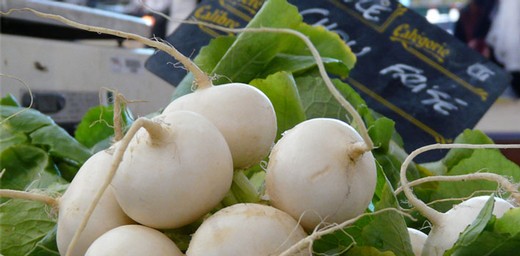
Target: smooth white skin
<point x="133" y="240"/>
<point x="171" y="182"/>
<point x="442" y="237"/>
<point x="310" y="173"/>
<point x="417" y="240"/>
<point x="243" y="114"/>
<point x="76" y="200"/>
<point x="246" y="229"/>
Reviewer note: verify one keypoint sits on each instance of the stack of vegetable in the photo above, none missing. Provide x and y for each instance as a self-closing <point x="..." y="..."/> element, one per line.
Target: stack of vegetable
<point x="268" y="159"/>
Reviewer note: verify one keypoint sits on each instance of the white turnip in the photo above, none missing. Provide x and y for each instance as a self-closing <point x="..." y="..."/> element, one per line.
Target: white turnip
<point x="246" y="229"/>
<point x="243" y="114"/>
<point x="74" y="205"/>
<point x="448" y="227"/>
<point x="133" y="240"/>
<point x="320" y="171"/>
<point x="75" y="202"/>
<point x="172" y="176"/>
<point x="417" y="240"/>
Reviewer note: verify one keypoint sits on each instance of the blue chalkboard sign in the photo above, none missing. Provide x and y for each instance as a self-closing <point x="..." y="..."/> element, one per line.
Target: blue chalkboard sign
<point x="407" y="69"/>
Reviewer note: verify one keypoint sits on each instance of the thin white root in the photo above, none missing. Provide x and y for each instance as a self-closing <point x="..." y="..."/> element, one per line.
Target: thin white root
<point x="317" y="234"/>
<point x="16" y="194"/>
<point x="30" y="95"/>
<point x="155" y="130"/>
<point x="431" y="214"/>
<point x="118" y="123"/>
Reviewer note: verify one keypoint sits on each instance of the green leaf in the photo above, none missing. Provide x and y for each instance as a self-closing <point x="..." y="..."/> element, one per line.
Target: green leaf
<point x="207" y="59"/>
<point x="281" y="90"/>
<point x="385" y="231"/>
<point x="27" y="224"/>
<point x="23" y="119"/>
<point x="184" y="87"/>
<point x="9" y="137"/>
<point x="25" y="166"/>
<point x="319" y="102"/>
<point x="60" y="144"/>
<point x="47" y="246"/>
<point x="481" y="160"/>
<point x="298" y="64"/>
<point x="98" y="125"/>
<point x="467" y="137"/>
<point x="381" y="133"/>
<point x="210" y="55"/>
<point x="381" y="185"/>
<point x="367" y="251"/>
<point x="509" y="223"/>
<point x="328" y="44"/>
<point x="9" y="100"/>
<point x="252" y="52"/>
<point x="21" y="126"/>
<point x="499" y="237"/>
<point x="477" y="226"/>
<point x="391" y="162"/>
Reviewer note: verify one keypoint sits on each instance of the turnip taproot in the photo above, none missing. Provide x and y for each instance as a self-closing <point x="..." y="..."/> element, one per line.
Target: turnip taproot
<point x="170" y="179"/>
<point x="320" y="171"/>
<point x="246" y="229"/>
<point x="243" y="114"/>
<point x="133" y="240"/>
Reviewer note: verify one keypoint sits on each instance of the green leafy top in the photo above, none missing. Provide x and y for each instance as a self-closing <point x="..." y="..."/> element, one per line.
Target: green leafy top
<point x="36" y="132"/>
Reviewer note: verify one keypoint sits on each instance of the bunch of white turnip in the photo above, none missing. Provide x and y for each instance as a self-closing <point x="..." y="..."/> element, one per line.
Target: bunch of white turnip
<point x="174" y="169"/>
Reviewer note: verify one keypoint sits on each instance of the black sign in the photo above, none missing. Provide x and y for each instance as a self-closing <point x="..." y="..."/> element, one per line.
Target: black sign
<point x="407" y="69"/>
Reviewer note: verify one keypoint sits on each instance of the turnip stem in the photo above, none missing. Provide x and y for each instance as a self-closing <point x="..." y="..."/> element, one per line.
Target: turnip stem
<point x="229" y="199"/>
<point x="201" y="79"/>
<point x="431" y="214"/>
<point x="242" y="188"/>
<point x="153" y="128"/>
<point x="16" y="194"/>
